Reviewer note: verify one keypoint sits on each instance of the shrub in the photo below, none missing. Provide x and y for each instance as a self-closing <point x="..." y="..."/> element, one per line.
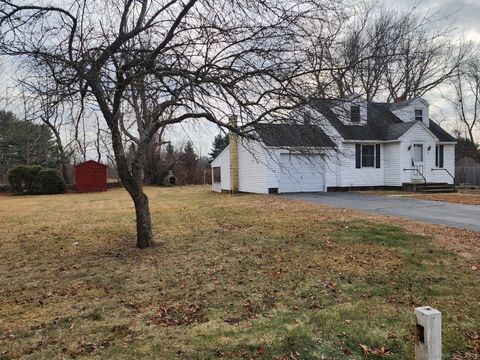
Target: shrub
<point x="50" y="182"/>
<point x="34" y="180"/>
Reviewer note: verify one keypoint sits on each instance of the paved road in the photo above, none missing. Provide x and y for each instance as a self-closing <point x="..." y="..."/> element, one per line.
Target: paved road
<point x="435" y="212"/>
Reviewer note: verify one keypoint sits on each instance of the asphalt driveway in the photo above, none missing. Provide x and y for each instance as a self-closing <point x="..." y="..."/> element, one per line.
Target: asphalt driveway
<point x="435" y="212"/>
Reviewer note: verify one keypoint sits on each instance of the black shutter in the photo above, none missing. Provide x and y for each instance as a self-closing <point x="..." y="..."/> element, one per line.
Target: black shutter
<point x="440" y="160"/>
<point x="377" y="156"/>
<point x="358" y="156"/>
<point x="436" y="155"/>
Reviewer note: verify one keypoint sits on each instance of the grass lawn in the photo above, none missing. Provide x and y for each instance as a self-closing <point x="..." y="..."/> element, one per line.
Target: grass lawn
<point x="242" y="276"/>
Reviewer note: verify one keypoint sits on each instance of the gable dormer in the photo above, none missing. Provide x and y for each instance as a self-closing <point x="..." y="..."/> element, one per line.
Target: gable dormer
<point x="413" y="110"/>
<point x="352" y="110"/>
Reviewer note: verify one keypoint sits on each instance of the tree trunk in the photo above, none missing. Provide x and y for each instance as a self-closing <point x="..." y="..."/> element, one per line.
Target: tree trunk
<point x="63" y="167"/>
<point x="144" y="220"/>
<point x="132" y="180"/>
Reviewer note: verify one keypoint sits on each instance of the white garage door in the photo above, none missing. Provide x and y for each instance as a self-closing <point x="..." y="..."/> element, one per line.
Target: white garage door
<point x="301" y="173"/>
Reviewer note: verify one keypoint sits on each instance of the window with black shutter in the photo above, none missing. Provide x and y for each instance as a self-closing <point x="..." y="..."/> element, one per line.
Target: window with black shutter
<point x="439" y="156"/>
<point x="367" y="156"/>
<point x="377" y="156"/>
<point x="358" y="156"/>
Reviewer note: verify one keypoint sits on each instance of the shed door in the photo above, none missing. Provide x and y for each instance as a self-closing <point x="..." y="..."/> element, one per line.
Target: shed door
<point x="93" y="179"/>
<point x="301" y="173"/>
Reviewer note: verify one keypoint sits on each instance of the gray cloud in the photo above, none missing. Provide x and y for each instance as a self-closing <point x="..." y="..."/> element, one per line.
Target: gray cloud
<point x="463" y="14"/>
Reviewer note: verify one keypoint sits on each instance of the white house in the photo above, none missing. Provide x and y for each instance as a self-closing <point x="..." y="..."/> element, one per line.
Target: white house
<point x="337" y="145"/>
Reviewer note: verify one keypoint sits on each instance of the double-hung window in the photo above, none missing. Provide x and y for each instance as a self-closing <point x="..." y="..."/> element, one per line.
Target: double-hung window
<point x="418" y="114"/>
<point x="355" y="113"/>
<point x="367" y="156"/>
<point x="217" y="174"/>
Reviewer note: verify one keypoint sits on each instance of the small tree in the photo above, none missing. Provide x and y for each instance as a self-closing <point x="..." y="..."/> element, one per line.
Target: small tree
<point x="220" y="142"/>
<point x="466" y="148"/>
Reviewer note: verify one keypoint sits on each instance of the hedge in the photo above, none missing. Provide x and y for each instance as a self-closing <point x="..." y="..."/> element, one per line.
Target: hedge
<point x="35" y="179"/>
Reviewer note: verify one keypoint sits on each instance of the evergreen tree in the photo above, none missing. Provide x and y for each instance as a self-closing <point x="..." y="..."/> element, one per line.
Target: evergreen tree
<point x="189" y="163"/>
<point x="220" y="142"/>
<point x="24" y="143"/>
<point x="170" y="150"/>
<point x="465" y="148"/>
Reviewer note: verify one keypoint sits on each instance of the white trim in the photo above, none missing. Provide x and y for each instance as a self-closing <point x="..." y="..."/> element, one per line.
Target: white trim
<point x="370" y="141"/>
<point x="226" y="148"/>
<point x="419" y="123"/>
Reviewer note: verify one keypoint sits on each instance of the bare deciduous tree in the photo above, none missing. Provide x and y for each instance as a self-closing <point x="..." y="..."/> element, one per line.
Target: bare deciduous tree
<point x="385" y="55"/>
<point x="467" y="96"/>
<point x="190" y="59"/>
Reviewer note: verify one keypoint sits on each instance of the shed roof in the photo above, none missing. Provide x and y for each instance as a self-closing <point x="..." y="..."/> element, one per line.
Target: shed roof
<point x="90" y="162"/>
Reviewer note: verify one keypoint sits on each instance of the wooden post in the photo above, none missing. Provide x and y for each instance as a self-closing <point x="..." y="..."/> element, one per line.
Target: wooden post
<point x="428" y="334"/>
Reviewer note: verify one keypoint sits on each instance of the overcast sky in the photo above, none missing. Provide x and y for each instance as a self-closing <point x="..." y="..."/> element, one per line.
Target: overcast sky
<point x="464" y="15"/>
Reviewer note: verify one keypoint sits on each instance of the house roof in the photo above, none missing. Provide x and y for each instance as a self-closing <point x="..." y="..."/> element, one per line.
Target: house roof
<point x="382" y="124"/>
<point x="441" y="134"/>
<point x="401" y="104"/>
<point x="293" y="135"/>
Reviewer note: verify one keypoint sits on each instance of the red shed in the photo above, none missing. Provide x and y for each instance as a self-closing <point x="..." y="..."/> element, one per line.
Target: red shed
<point x="91" y="176"/>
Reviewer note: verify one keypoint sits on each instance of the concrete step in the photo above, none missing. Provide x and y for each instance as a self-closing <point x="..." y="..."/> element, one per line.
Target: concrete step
<point x="434" y="185"/>
<point x="428" y="187"/>
<point x="439" y="190"/>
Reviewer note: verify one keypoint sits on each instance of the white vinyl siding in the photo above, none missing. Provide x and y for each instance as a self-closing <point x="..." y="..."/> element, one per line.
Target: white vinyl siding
<point x="417" y="135"/>
<point x="222" y="161"/>
<point x="367" y="176"/>
<point x="252" y="167"/>
<point x="391" y="157"/>
<point x="448" y="164"/>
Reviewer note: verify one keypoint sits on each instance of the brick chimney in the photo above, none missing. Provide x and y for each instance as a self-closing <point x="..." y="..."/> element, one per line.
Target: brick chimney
<point x="233" y="142"/>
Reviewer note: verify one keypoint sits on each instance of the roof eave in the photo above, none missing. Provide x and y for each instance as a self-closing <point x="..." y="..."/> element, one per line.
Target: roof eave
<point x="371" y="141"/>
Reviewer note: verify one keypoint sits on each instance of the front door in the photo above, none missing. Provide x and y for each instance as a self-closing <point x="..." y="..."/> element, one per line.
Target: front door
<point x="417" y="161"/>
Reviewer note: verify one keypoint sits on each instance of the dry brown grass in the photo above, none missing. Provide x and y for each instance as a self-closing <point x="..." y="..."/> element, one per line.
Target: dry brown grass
<point x="231" y="276"/>
<point x="462" y="196"/>
<point x="458" y="198"/>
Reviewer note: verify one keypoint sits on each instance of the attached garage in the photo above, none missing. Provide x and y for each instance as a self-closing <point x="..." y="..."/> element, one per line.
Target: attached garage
<point x="301" y="173"/>
<point x="286" y="159"/>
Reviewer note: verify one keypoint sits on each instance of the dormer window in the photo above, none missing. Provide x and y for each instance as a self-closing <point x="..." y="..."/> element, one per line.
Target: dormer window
<point x="418" y="115"/>
<point x="355" y="113"/>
